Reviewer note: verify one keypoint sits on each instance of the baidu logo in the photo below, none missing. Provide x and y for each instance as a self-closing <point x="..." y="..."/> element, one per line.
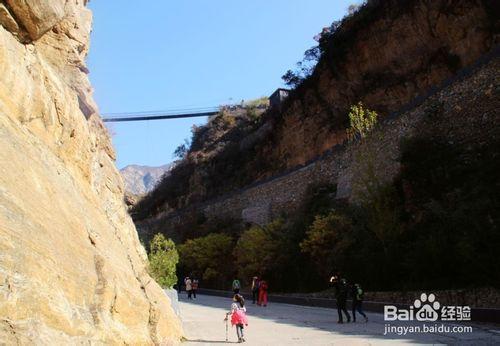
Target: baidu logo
<point x="427" y="308"/>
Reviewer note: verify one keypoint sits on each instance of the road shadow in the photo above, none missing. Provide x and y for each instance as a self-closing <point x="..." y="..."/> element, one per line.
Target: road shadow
<point x="324" y="319"/>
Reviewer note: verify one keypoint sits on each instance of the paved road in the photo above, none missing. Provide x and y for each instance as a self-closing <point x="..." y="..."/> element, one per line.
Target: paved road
<point x="283" y="324"/>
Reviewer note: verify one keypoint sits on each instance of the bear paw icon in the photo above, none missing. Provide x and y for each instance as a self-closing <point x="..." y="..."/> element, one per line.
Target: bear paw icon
<point x="427" y="307"/>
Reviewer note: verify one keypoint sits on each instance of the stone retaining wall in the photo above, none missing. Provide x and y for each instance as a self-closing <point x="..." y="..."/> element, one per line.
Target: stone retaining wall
<point x="462" y="110"/>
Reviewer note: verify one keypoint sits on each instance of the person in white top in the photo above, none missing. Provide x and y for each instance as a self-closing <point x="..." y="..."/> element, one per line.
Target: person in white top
<point x="189" y="287"/>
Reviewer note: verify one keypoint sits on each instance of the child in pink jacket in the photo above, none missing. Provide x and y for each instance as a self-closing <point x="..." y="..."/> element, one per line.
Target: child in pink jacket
<point x="238" y="319"/>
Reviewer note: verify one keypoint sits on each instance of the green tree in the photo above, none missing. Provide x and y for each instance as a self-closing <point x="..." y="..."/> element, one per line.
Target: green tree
<point x="254" y="252"/>
<point x="270" y="251"/>
<point x="383" y="214"/>
<point x="328" y="241"/>
<point x="210" y="257"/>
<point x="163" y="258"/>
<point x="378" y="198"/>
<point x="292" y="78"/>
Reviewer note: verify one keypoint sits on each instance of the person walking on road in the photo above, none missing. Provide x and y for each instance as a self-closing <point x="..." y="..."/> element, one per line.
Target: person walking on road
<point x="236" y="286"/>
<point x="262" y="293"/>
<point x="255" y="289"/>
<point x="194" y="287"/>
<point x="179" y="285"/>
<point x="341" y="289"/>
<point x="357" y="302"/>
<point x="238" y="319"/>
<point x="189" y="287"/>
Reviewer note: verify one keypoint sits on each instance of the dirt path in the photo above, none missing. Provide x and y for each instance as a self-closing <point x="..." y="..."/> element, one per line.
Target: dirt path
<point x="283" y="324"/>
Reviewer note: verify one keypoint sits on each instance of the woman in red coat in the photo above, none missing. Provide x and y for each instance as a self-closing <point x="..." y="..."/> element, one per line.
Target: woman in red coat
<point x="262" y="293"/>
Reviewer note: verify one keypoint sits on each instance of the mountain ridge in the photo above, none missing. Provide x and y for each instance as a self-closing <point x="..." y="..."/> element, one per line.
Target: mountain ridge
<point x="140" y="179"/>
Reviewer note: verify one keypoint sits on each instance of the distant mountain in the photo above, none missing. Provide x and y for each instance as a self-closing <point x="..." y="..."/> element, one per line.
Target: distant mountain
<point x="142" y="179"/>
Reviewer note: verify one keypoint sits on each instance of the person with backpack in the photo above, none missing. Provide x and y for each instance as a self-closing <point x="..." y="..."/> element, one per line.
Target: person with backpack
<point x="236" y="286"/>
<point x="255" y="289"/>
<point x="262" y="293"/>
<point x="357" y="302"/>
<point x="340" y="286"/>
<point x="238" y="319"/>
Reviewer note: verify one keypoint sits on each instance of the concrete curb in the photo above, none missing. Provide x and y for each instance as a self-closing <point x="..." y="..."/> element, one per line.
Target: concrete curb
<point x="174" y="300"/>
<point x="477" y="314"/>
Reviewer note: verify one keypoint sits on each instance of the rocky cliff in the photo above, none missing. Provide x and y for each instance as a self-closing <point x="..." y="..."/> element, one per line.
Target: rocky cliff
<point x="72" y="269"/>
<point x="386" y="55"/>
<point x="475" y="92"/>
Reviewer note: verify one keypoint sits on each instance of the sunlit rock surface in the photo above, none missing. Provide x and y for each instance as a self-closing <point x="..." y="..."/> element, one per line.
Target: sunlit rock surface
<point x="72" y="269"/>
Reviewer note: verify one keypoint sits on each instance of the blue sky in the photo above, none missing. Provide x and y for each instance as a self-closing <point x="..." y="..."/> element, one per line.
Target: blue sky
<point x="197" y="53"/>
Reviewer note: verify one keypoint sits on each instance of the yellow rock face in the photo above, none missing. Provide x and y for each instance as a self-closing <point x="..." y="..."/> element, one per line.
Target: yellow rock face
<point x="72" y="269"/>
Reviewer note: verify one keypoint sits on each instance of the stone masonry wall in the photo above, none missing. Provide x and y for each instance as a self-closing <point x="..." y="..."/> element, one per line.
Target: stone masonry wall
<point x="463" y="110"/>
<point x="484" y="297"/>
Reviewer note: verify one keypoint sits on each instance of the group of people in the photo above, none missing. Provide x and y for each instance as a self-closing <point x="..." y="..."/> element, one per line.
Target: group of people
<point x="342" y="291"/>
<point x="237" y="313"/>
<point x="259" y="291"/>
<point x="191" y="287"/>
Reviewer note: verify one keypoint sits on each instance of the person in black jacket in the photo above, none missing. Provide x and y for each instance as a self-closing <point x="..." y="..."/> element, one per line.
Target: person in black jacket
<point x="255" y="289"/>
<point x="357" y="302"/>
<point x="340" y="286"/>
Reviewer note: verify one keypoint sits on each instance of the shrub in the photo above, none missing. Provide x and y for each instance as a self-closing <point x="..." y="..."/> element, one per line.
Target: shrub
<point x="163" y="258"/>
<point x="251" y="113"/>
<point x="182" y="150"/>
<point x="258" y="102"/>
<point x="361" y="120"/>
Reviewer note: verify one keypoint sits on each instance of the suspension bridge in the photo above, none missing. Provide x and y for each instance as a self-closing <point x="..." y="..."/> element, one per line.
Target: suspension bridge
<point x="162" y="115"/>
<point x="274" y="102"/>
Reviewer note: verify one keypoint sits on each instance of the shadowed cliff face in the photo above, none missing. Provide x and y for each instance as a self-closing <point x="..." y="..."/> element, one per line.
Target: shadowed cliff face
<point x="385" y="55"/>
<point x="72" y="269"/>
